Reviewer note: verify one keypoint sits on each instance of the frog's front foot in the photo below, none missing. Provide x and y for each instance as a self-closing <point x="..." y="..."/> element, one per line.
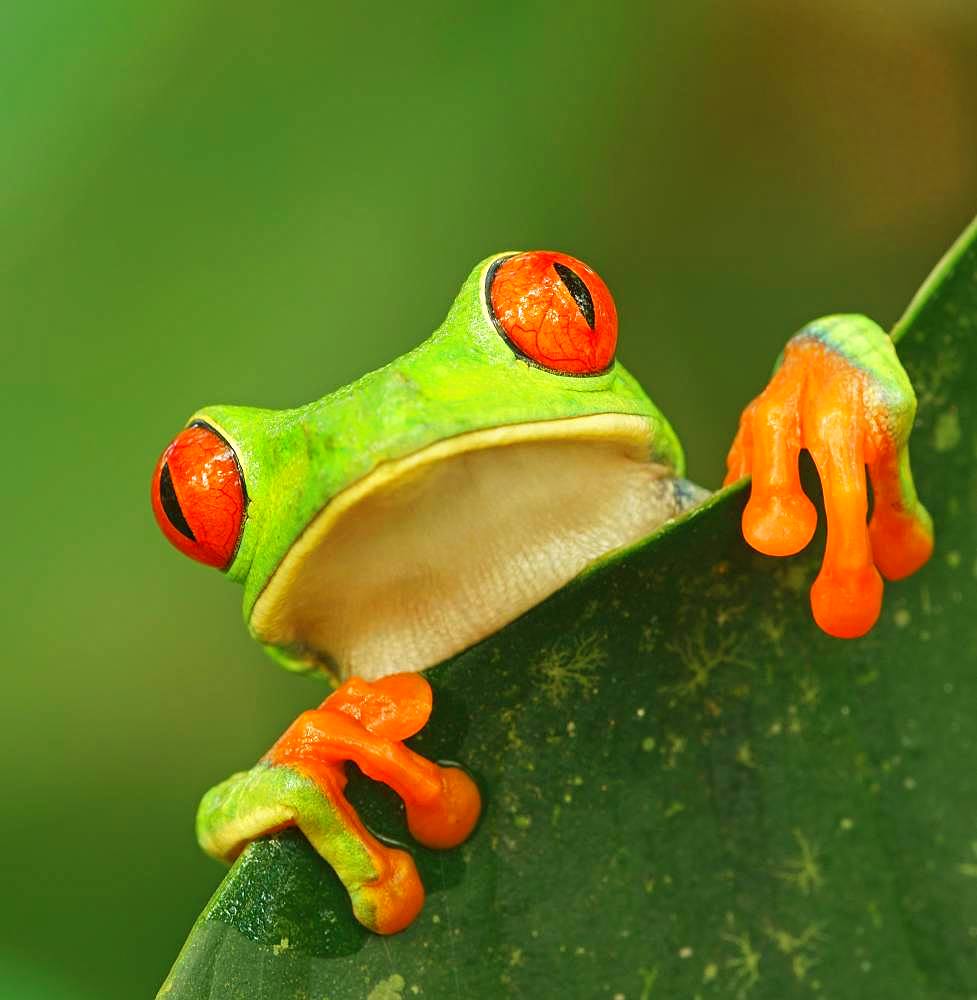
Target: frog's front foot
<point x="842" y="394"/>
<point x="300" y="782"/>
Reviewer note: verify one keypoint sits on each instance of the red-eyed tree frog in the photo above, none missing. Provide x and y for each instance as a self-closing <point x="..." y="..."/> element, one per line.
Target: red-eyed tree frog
<point x="404" y="517"/>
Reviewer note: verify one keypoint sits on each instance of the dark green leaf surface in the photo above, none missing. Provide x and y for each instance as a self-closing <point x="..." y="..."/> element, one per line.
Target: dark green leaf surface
<point x="689" y="790"/>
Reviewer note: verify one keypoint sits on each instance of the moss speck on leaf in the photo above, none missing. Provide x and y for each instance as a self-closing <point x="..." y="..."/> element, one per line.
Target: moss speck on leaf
<point x="947" y="433"/>
<point x="388" y="989"/>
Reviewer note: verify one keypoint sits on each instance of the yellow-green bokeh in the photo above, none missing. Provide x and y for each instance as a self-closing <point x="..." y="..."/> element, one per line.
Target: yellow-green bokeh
<point x="253" y="203"/>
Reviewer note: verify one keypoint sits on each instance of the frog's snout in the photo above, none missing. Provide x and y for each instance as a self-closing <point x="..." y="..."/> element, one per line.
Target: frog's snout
<point x="199" y="497"/>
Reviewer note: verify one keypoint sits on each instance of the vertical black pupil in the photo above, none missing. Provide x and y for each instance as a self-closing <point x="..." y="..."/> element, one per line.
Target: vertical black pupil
<point x="579" y="291"/>
<point x="171" y="504"/>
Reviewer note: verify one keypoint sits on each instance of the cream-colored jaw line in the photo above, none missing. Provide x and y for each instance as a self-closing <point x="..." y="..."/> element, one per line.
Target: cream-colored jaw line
<point x="629" y="432"/>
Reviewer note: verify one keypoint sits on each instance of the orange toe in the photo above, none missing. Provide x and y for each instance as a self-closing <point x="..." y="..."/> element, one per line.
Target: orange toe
<point x="451" y="817"/>
<point x="847" y="605"/>
<point x="779" y="524"/>
<point x="392" y="902"/>
<point x="901" y="544"/>
<point x="395" y="707"/>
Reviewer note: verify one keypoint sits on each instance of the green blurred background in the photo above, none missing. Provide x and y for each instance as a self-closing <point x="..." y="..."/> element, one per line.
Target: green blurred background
<point x="231" y="202"/>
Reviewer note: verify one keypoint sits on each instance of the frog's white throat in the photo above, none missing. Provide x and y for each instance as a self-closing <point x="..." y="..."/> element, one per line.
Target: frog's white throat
<point x="430" y="553"/>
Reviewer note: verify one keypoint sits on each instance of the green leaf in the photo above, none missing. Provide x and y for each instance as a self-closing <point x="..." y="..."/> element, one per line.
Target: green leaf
<point x="689" y="790"/>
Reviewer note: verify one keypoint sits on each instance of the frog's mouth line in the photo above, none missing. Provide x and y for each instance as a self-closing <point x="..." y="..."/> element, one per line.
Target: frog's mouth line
<point x="429" y="553"/>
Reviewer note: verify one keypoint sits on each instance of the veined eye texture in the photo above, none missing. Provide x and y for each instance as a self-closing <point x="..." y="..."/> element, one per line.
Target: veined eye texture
<point x="199" y="496"/>
<point x="554" y="311"/>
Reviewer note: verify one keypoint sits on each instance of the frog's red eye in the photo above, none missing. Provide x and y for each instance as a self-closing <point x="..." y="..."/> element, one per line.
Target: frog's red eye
<point x="554" y="311"/>
<point x="199" y="497"/>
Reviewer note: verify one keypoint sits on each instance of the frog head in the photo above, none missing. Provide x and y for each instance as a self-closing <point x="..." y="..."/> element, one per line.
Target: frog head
<point x="403" y="517"/>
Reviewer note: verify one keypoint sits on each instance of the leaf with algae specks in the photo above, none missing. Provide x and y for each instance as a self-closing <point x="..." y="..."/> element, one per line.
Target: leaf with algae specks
<point x="689" y="790"/>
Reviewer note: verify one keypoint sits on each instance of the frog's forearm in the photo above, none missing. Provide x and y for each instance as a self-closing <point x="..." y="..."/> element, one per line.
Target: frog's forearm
<point x="441" y="802"/>
<point x="841" y="393"/>
<point x="267" y="798"/>
<point x="301" y="780"/>
<point x="384" y="888"/>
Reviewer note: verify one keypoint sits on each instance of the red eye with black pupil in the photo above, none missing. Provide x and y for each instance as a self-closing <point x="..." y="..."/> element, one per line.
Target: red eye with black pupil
<point x="198" y="496"/>
<point x="554" y="310"/>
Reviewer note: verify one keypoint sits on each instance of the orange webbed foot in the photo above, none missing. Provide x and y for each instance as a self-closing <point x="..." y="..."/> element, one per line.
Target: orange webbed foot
<point x="841" y="394"/>
<point x="365" y="722"/>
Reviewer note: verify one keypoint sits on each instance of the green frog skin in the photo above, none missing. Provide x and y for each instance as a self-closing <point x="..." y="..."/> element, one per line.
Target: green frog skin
<point x="402" y="518"/>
